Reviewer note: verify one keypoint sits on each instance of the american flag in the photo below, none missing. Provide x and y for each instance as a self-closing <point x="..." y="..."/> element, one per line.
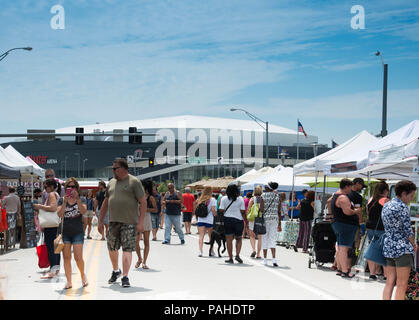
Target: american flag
<point x="301" y="129"/>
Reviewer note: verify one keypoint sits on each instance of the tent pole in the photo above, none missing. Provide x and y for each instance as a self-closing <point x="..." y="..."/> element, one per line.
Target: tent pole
<point x="369" y="189"/>
<point x="292" y="191"/>
<point x="32" y="186"/>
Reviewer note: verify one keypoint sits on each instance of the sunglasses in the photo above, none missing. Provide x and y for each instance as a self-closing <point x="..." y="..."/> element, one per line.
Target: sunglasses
<point x="72" y="187"/>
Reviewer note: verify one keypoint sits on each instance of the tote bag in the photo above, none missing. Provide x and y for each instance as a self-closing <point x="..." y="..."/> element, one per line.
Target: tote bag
<point x="48" y="219"/>
<point x="3" y="219"/>
<point x="42" y="252"/>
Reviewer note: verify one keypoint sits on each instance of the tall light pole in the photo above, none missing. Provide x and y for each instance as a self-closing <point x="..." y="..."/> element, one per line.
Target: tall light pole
<point x="4" y="55"/>
<point x="384" y="116"/>
<point x="83" y="165"/>
<point x="78" y="164"/>
<point x="65" y="167"/>
<point x="266" y="128"/>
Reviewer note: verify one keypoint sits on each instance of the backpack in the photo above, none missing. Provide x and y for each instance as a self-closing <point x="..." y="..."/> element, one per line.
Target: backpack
<point x="254" y="212"/>
<point x="201" y="210"/>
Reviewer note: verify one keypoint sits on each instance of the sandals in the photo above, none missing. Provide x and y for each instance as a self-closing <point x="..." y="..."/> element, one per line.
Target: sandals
<point x="253" y="254"/>
<point x="138" y="264"/>
<point x="67" y="286"/>
<point x="339" y="272"/>
<point x="347" y="275"/>
<point x="49" y="276"/>
<point x="333" y="268"/>
<point x="145" y="267"/>
<point x="84" y="282"/>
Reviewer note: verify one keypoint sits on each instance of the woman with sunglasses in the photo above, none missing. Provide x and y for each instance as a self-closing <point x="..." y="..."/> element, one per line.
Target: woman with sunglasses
<point x="72" y="211"/>
<point x="50" y="205"/>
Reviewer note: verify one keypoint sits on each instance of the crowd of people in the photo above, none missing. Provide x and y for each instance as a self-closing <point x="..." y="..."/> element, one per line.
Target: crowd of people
<point x="129" y="211"/>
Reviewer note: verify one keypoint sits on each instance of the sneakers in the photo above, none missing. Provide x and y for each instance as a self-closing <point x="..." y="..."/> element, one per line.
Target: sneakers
<point x="115" y="276"/>
<point x="182" y="241"/>
<point x="274" y="263"/>
<point x="200" y="254"/>
<point x="264" y="262"/>
<point x="125" y="282"/>
<point x="229" y="261"/>
<point x="238" y="259"/>
<point x="165" y="242"/>
<point x="373" y="277"/>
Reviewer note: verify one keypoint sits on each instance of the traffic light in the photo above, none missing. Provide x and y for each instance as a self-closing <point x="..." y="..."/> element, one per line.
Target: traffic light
<point x="79" y="139"/>
<point x="151" y="162"/>
<point x="131" y="139"/>
<point x="138" y="138"/>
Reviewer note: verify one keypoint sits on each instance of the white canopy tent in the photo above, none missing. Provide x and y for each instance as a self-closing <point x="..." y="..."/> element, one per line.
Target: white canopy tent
<point x="254" y="174"/>
<point x="283" y="176"/>
<point x="20" y="160"/>
<point x="392" y="157"/>
<point x="322" y="161"/>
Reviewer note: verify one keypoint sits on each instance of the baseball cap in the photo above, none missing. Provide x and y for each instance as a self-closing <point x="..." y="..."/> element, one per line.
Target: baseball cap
<point x="360" y="181"/>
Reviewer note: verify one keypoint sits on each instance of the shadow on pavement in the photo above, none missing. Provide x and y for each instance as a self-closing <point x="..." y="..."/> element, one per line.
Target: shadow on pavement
<point x="146" y="270"/>
<point x="118" y="288"/>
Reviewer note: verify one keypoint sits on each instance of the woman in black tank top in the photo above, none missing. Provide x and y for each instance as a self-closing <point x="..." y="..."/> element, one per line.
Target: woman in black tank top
<point x="374" y="224"/>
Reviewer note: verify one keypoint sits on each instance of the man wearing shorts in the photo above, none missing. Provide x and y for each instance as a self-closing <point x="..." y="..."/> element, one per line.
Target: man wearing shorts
<point x="123" y="195"/>
<point x="188" y="200"/>
<point x="345" y="225"/>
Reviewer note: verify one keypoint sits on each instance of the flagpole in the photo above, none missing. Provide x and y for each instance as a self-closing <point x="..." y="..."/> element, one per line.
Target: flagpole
<point x="298" y="141"/>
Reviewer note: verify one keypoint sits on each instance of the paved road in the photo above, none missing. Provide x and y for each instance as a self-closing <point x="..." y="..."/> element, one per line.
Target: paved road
<point x="176" y="272"/>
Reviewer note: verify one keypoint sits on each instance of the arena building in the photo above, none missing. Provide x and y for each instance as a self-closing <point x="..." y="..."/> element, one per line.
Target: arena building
<point x="182" y="149"/>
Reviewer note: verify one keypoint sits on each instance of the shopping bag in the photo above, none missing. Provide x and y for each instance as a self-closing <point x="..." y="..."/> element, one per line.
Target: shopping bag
<point x="412" y="292"/>
<point x="374" y="251"/>
<point x="3" y="219"/>
<point x="42" y="253"/>
<point x="94" y="221"/>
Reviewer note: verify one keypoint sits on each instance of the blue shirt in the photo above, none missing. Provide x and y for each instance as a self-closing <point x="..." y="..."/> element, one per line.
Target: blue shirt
<point x="398" y="230"/>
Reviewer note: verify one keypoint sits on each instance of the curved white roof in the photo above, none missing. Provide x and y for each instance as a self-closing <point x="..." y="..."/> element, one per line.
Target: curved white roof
<point x="186" y="121"/>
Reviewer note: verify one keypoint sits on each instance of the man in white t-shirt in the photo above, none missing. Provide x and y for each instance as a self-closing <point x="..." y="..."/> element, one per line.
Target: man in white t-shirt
<point x="232" y="206"/>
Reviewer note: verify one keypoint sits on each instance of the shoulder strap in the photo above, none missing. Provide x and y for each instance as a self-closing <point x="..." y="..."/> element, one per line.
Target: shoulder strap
<point x="228" y="206"/>
<point x="268" y="206"/>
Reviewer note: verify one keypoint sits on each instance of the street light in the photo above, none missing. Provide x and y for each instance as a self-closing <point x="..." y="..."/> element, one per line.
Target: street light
<point x="78" y="164"/>
<point x="258" y="121"/>
<point x="384" y="116"/>
<point x="4" y="55"/>
<point x="83" y="165"/>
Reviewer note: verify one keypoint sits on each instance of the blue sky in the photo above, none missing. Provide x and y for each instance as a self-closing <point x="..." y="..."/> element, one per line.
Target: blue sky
<point x="280" y="60"/>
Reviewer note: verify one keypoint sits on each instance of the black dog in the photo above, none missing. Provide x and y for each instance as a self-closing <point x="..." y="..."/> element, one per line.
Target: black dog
<point x="218" y="234"/>
<point x="218" y="237"/>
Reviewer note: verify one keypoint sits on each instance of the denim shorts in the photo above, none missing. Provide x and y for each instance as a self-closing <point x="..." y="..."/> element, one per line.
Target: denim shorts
<point x="206" y="225"/>
<point x="76" y="239"/>
<point x="233" y="226"/>
<point x="155" y="220"/>
<point x="345" y="234"/>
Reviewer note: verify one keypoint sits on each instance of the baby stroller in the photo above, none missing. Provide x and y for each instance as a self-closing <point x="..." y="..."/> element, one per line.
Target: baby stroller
<point x="324" y="240"/>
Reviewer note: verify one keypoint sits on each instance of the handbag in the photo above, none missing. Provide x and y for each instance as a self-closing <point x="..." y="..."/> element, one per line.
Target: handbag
<point x="42" y="252"/>
<point x="259" y="227"/>
<point x="58" y="241"/>
<point x="94" y="221"/>
<point x="253" y="212"/>
<point x="374" y="251"/>
<point x="48" y="219"/>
